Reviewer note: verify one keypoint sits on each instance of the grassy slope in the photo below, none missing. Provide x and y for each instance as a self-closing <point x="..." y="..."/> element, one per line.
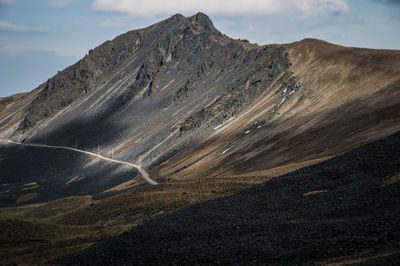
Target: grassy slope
<point x="70" y="224"/>
<point x="24" y="242"/>
<point x="338" y="210"/>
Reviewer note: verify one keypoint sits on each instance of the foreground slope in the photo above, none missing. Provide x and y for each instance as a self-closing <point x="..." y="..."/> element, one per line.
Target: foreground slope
<point x="345" y="209"/>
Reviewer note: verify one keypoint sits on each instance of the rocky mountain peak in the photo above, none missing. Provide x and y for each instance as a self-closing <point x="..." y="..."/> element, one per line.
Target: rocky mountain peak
<point x="199" y="23"/>
<point x="201" y="19"/>
<point x="202" y="22"/>
<point x="159" y="44"/>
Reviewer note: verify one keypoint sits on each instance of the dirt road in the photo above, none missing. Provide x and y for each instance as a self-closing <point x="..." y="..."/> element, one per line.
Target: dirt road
<point x="145" y="175"/>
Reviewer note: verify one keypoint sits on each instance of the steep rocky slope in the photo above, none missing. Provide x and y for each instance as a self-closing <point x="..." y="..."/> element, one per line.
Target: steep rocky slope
<point x="149" y="93"/>
<point x="191" y="103"/>
<point x="150" y="86"/>
<point x="342" y="98"/>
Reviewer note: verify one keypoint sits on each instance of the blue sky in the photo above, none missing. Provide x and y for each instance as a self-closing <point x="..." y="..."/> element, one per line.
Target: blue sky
<point x="40" y="37"/>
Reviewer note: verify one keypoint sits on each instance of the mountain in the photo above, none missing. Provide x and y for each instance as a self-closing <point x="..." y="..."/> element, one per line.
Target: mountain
<point x="206" y="115"/>
<point x="148" y="93"/>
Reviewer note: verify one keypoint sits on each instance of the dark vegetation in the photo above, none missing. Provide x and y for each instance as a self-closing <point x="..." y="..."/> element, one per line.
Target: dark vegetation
<point x="336" y="210"/>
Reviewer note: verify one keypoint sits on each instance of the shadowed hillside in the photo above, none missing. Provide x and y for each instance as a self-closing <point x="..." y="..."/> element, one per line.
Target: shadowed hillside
<point x="343" y="209"/>
<point x="34" y="175"/>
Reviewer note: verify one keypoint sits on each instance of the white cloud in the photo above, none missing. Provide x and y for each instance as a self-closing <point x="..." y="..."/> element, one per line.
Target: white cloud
<point x="6" y="2"/>
<point x="222" y="7"/>
<point x="60" y="4"/>
<point x="19" y="49"/>
<point x="8" y="26"/>
<point x="110" y="24"/>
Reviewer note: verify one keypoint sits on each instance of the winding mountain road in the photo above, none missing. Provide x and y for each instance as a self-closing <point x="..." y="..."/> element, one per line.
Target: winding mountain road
<point x="145" y="175"/>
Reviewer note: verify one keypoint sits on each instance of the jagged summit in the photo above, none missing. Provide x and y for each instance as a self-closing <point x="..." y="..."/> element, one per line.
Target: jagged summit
<point x="199" y="18"/>
<point x="204" y="23"/>
<point x="202" y="19"/>
<point x="177" y="16"/>
<point x="199" y="21"/>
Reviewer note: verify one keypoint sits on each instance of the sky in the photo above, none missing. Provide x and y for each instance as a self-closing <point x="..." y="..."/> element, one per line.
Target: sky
<point x="40" y="37"/>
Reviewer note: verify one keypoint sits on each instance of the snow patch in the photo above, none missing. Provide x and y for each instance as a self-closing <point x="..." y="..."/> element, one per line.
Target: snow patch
<point x="226" y="150"/>
<point x="166" y="86"/>
<point x="284" y="98"/>
<point x="215" y="128"/>
<point x="169" y="58"/>
<point x="141" y="93"/>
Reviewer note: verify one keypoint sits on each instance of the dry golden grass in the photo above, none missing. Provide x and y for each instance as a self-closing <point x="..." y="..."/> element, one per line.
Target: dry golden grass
<point x="26" y="197"/>
<point x="390" y="181"/>
<point x="123" y="186"/>
<point x="30" y="184"/>
<point x="359" y="260"/>
<point x="30" y="188"/>
<point x="28" y="235"/>
<point x="23" y="242"/>
<point x="144" y="203"/>
<point x="40" y="232"/>
<point x="281" y="170"/>
<point x="32" y="243"/>
<point x="74" y="179"/>
<point x="314" y="192"/>
<point x="8" y="102"/>
<point x="339" y="74"/>
<point x="45" y="211"/>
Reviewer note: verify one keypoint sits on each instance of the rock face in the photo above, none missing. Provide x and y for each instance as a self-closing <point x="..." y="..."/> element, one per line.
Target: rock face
<point x="168" y="84"/>
<point x="150" y="92"/>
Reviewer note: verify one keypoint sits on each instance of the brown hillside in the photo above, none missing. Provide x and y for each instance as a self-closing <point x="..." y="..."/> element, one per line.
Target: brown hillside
<point x="347" y="97"/>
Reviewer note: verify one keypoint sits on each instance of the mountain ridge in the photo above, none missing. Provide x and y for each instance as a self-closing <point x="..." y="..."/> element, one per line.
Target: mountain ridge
<point x="192" y="102"/>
